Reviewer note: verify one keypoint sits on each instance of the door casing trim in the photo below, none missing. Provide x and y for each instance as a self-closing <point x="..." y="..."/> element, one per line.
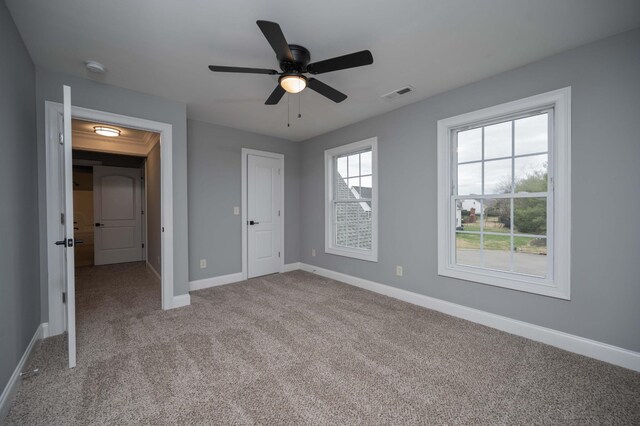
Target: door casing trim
<point x="245" y="152"/>
<point x="52" y="109"/>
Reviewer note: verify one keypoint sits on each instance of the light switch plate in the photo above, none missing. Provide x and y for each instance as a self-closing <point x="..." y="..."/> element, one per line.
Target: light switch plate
<point x="203" y="263"/>
<point x="236" y="210"/>
<point x="399" y="270"/>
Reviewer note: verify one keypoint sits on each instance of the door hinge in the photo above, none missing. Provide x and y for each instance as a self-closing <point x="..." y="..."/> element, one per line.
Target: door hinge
<point x="62" y="218"/>
<point x="278" y="254"/>
<point x="142" y="212"/>
<point x="142" y="245"/>
<point x="64" y="297"/>
<point x="278" y="171"/>
<point x="60" y="138"/>
<point x="163" y="229"/>
<point x="278" y="212"/>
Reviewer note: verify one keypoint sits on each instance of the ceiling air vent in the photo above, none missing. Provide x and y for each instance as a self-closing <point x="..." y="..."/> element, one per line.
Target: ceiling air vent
<point x="399" y="92"/>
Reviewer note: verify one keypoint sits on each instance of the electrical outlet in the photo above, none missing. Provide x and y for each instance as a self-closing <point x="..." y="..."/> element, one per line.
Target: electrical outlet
<point x="203" y="263"/>
<point x="236" y="210"/>
<point x="313" y="252"/>
<point x="399" y="270"/>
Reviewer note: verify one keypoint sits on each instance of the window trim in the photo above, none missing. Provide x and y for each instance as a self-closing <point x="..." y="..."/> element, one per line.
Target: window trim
<point x="559" y="242"/>
<point x="329" y="168"/>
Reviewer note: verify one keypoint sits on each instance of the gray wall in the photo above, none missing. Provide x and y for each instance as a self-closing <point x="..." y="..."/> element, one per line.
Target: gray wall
<point x="19" y="279"/>
<point x="605" y="288"/>
<point x="91" y="94"/>
<point x="215" y="188"/>
<point x="154" y="234"/>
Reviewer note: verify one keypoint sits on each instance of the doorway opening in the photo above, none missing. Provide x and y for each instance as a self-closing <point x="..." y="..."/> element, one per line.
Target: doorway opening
<point x="117" y="229"/>
<point x="55" y="129"/>
<point x="116" y="196"/>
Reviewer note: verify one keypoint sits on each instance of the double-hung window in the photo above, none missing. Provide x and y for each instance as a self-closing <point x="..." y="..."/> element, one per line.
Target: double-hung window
<point x="503" y="196"/>
<point x="351" y="204"/>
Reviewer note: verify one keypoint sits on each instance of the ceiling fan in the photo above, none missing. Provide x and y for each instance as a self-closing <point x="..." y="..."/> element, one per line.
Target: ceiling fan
<point x="294" y="63"/>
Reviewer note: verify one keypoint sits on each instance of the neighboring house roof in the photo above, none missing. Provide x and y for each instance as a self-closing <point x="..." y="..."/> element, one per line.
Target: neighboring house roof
<point x="363" y="192"/>
<point x="353" y="220"/>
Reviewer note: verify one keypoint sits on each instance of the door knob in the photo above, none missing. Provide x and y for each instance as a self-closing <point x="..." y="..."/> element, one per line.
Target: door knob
<point x="99" y="224"/>
<point x="67" y="243"/>
<point x="253" y="222"/>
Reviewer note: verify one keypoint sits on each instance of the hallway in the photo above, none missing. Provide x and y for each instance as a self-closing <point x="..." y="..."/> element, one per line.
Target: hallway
<point x="109" y="294"/>
<point x="108" y="299"/>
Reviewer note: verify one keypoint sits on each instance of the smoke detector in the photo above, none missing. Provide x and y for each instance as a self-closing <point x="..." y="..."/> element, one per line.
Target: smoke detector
<point x="95" y="67"/>
<point x="398" y="92"/>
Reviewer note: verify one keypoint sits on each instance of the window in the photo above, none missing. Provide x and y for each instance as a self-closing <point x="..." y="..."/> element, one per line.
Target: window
<point x="351" y="210"/>
<point x="504" y="195"/>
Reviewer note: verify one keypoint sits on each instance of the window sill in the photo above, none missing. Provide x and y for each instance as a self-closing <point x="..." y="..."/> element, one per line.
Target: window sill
<point x="513" y="281"/>
<point x="355" y="254"/>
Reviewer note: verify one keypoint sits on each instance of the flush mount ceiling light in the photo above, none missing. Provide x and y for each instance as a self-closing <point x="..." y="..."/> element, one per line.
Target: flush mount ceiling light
<point x="95" y="67"/>
<point x="106" y="131"/>
<point x="293" y="83"/>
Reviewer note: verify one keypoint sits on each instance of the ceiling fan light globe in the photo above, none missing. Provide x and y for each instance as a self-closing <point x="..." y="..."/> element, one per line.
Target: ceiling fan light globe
<point x="293" y="83"/>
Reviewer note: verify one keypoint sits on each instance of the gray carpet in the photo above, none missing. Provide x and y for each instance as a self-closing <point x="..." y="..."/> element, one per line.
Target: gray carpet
<point x="297" y="348"/>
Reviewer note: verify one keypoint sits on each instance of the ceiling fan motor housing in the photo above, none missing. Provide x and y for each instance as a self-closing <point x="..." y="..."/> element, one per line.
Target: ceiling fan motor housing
<point x="301" y="58"/>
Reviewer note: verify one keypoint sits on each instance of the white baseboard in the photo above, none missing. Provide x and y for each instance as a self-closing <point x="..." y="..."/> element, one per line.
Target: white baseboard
<point x="215" y="281"/>
<point x="45" y="329"/>
<point x="181" y="300"/>
<point x="14" y="381"/>
<point x="569" y="342"/>
<point x="231" y="278"/>
<point x="153" y="271"/>
<point x="291" y="267"/>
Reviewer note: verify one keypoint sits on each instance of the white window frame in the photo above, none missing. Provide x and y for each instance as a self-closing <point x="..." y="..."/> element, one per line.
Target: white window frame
<point x="559" y="226"/>
<point x="329" y="170"/>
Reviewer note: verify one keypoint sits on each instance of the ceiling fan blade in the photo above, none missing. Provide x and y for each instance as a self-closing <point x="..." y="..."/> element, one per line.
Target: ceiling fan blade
<point x="276" y="39"/>
<point x="275" y="96"/>
<point x="217" y="68"/>
<point x="344" y="62"/>
<point x="325" y="90"/>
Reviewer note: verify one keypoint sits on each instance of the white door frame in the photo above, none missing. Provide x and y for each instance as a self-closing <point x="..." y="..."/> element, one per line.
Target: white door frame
<point x="52" y="110"/>
<point x="245" y="152"/>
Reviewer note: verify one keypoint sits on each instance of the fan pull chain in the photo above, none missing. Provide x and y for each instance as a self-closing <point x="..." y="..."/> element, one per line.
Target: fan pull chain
<point x="299" y="101"/>
<point x="288" y="113"/>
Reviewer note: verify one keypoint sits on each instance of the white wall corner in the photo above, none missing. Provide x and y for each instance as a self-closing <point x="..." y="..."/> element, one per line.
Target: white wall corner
<point x="215" y="281"/>
<point x="291" y="267"/>
<point x="181" y="300"/>
<point x="14" y="381"/>
<point x="569" y="342"/>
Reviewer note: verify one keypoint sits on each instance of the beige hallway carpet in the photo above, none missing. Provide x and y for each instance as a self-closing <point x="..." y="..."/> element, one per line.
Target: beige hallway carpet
<point x="299" y="349"/>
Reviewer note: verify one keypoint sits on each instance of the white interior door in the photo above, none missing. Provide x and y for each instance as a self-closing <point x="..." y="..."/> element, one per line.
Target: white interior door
<point x="264" y="195"/>
<point x="67" y="218"/>
<point x="117" y="207"/>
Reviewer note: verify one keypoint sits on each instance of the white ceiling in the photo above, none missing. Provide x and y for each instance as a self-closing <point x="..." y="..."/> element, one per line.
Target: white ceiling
<point x="163" y="47"/>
